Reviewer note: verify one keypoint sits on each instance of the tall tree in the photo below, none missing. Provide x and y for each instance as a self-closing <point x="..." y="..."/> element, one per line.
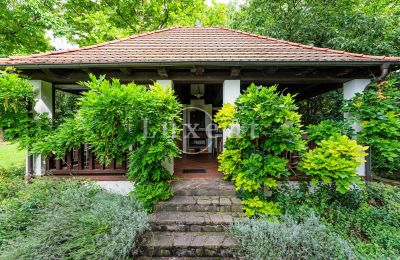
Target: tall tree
<point x="353" y="25"/>
<point x="23" y="25"/>
<point x="88" y="22"/>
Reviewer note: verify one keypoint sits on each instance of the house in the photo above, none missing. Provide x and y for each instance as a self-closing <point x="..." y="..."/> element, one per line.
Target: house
<point x="207" y="67"/>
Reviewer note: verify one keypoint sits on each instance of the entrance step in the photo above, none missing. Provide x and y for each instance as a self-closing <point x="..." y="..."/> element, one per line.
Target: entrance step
<point x="189" y="244"/>
<point x="191" y="225"/>
<point x="201" y="187"/>
<point x="200" y="204"/>
<point x="192" y="221"/>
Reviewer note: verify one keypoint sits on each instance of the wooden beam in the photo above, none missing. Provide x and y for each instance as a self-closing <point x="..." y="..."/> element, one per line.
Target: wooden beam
<point x="87" y="70"/>
<point x="306" y="72"/>
<point x="51" y="73"/>
<point x="235" y="72"/>
<point x="162" y="72"/>
<point x="126" y="71"/>
<point x="271" y="70"/>
<point x="345" y="72"/>
<point x="211" y="77"/>
<point x="198" y="71"/>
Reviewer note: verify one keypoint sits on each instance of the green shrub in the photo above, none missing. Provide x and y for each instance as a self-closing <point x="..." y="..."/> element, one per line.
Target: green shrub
<point x="327" y="128"/>
<point x="377" y="110"/>
<point x="288" y="239"/>
<point x="257" y="207"/>
<point x="11" y="181"/>
<point x="334" y="160"/>
<point x="367" y="218"/>
<point x="252" y="160"/>
<point x="71" y="220"/>
<point x="150" y="193"/>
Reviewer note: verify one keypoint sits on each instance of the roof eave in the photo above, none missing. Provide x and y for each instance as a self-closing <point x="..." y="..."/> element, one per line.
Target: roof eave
<point x="202" y="63"/>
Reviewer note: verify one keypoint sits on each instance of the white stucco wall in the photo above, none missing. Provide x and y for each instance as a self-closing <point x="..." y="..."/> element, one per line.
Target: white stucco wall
<point x="231" y="91"/>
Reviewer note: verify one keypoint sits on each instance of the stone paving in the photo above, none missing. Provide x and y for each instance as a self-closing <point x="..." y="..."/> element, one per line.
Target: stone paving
<point x="192" y="223"/>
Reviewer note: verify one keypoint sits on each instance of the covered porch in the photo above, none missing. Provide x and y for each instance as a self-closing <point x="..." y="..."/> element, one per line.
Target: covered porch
<point x="207" y="67"/>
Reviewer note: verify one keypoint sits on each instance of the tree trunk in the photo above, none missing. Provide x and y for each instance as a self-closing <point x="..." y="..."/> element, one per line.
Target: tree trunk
<point x="1" y="135"/>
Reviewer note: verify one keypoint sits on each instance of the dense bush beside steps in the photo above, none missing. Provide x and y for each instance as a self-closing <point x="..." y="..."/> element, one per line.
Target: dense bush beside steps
<point x="69" y="220"/>
<point x="288" y="239"/>
<point x="367" y="217"/>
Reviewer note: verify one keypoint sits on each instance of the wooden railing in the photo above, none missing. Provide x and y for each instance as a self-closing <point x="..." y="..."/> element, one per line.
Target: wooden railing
<point x="81" y="161"/>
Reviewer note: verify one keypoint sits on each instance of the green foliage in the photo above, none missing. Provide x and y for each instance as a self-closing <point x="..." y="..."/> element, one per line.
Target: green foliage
<point x="11" y="181"/>
<point x="17" y="119"/>
<point x="269" y="127"/>
<point x="257" y="207"/>
<point x="367" y="218"/>
<point x="23" y="26"/>
<point x="373" y="28"/>
<point x="224" y="117"/>
<point x="377" y="110"/>
<point x="66" y="106"/>
<point x="150" y="193"/>
<point x="88" y="22"/>
<point x="335" y="160"/>
<point x="64" y="138"/>
<point x="72" y="220"/>
<point x="325" y="106"/>
<point x="288" y="239"/>
<point x="116" y="119"/>
<point x="327" y="128"/>
<point x="113" y="118"/>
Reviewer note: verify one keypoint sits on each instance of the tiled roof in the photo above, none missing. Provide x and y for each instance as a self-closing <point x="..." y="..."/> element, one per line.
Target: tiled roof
<point x="191" y="45"/>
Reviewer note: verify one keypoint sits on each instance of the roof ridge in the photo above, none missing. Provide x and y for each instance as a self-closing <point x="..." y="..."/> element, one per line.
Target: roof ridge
<point x="49" y="53"/>
<point x="358" y="55"/>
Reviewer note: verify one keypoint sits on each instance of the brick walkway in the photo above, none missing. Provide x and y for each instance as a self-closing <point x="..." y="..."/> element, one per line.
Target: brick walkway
<point x="192" y="223"/>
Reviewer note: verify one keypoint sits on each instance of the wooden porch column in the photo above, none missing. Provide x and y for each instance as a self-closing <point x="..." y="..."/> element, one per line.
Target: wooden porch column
<point x="350" y="89"/>
<point x="44" y="104"/>
<point x="231" y="91"/>
<point x="168" y="163"/>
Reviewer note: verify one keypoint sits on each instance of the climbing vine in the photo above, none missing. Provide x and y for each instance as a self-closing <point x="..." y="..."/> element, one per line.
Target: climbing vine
<point x="114" y="119"/>
<point x="252" y="160"/>
<point x="17" y="119"/>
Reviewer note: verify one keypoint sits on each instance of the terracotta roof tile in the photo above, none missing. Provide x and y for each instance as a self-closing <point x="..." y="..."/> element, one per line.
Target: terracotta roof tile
<point x="193" y="44"/>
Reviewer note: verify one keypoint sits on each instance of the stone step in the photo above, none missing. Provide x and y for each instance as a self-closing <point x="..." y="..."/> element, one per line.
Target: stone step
<point x="192" y="221"/>
<point x="201" y="187"/>
<point x="200" y="204"/>
<point x="188" y="244"/>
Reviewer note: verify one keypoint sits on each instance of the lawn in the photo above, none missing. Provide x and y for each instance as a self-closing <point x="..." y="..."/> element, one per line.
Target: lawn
<point x="10" y="156"/>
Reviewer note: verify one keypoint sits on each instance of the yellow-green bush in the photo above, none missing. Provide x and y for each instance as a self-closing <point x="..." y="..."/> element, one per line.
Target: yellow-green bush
<point x="335" y="161"/>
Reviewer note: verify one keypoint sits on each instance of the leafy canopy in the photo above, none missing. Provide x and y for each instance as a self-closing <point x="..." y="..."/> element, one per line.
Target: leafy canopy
<point x="352" y="25"/>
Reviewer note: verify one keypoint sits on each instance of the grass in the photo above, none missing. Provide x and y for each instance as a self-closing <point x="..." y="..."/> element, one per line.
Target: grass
<point x="10" y="156"/>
